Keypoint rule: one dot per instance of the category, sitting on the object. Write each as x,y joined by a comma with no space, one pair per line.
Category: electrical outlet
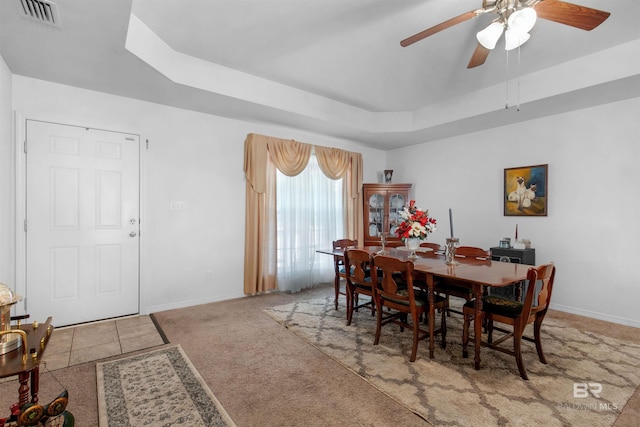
209,274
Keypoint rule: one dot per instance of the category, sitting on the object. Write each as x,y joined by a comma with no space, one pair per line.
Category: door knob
133,234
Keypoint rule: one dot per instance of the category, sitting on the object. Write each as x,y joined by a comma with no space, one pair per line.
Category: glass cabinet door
380,211
376,214
396,204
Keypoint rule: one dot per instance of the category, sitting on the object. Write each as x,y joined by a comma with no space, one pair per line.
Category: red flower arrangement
415,223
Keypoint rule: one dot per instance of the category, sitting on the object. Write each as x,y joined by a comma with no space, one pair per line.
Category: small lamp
519,24
490,35
523,19
514,39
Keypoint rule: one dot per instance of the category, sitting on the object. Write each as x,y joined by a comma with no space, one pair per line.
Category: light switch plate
176,206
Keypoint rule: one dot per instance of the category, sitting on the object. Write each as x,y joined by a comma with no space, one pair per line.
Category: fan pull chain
506,95
506,101
518,88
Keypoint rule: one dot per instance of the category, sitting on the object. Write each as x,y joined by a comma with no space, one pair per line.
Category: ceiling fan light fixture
522,20
514,38
490,35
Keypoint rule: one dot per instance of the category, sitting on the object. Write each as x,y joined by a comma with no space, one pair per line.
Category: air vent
42,11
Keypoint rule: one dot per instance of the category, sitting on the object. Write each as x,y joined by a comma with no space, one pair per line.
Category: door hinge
25,146
25,225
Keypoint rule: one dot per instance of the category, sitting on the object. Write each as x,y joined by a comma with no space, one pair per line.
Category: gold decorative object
20,340
7,299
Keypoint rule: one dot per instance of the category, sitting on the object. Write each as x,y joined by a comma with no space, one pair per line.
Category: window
310,216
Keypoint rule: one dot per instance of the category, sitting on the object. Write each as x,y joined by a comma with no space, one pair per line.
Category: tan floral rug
159,388
587,381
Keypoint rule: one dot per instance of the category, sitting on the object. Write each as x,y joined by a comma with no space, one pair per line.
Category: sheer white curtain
310,216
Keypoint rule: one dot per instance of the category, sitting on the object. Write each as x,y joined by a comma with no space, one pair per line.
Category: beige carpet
158,388
494,395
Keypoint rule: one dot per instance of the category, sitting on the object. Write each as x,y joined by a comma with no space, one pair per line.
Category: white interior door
82,240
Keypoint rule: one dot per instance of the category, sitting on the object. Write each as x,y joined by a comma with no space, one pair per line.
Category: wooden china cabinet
382,202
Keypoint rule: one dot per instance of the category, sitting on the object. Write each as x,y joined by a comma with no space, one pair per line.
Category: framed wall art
525,191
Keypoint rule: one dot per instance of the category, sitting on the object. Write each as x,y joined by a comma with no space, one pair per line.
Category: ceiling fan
516,18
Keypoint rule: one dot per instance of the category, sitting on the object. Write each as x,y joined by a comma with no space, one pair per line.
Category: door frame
20,162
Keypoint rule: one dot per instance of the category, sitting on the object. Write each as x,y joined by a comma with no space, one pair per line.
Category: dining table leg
336,280
477,323
432,314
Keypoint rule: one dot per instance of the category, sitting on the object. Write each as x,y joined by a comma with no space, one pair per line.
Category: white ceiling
329,66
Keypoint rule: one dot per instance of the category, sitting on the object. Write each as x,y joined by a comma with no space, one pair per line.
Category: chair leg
336,285
378,323
517,341
349,295
536,334
489,330
443,327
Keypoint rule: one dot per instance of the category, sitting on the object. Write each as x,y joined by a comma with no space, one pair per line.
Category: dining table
475,273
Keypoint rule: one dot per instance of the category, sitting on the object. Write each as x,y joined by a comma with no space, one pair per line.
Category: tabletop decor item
450,254
414,226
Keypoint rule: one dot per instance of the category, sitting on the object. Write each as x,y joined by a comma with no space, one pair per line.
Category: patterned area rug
587,381
158,388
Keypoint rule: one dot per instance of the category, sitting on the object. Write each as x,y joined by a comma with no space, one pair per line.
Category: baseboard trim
596,315
190,303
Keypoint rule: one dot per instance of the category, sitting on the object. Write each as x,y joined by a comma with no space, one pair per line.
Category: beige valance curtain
262,155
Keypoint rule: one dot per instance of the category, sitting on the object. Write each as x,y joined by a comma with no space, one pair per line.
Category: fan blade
479,56
442,26
571,14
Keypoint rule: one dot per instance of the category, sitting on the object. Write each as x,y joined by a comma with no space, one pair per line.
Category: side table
517,256
25,360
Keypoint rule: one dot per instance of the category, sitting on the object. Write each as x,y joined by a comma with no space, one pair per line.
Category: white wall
591,231
192,157
7,260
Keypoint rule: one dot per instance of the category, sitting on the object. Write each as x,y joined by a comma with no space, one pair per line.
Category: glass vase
412,244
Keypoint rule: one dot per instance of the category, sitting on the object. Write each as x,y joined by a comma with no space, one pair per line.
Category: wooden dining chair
516,314
356,265
451,287
338,261
435,246
395,244
401,300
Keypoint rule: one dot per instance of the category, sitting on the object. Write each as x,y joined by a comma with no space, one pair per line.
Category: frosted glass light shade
514,39
490,35
522,20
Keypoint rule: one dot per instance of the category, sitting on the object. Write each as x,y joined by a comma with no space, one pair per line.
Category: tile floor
73,345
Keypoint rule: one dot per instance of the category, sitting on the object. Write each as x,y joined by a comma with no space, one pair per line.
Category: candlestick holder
450,255
383,243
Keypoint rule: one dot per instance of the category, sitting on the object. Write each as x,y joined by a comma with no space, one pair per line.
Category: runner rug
157,388
587,381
